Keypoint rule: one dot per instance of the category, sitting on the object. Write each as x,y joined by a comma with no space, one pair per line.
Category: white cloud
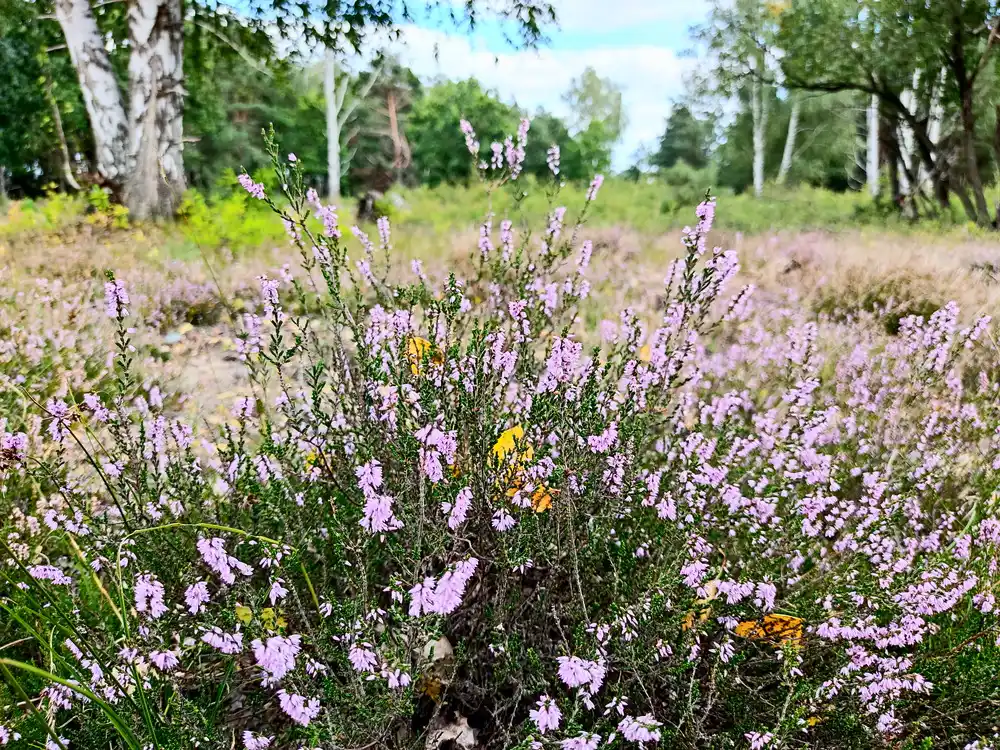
649,76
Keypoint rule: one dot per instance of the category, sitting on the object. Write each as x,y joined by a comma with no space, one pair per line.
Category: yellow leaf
541,499
688,622
508,441
780,629
416,349
244,614
431,687
814,720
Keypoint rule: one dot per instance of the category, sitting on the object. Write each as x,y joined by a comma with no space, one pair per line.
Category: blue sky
640,46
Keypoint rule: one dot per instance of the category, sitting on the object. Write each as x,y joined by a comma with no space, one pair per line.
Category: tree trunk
101,95
758,106
871,164
156,108
334,102
67,166
793,131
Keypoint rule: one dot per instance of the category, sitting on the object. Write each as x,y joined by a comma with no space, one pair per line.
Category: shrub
452,517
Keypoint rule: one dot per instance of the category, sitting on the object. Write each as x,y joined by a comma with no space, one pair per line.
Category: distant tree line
893,96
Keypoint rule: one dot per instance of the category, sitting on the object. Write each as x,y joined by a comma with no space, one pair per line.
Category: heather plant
453,515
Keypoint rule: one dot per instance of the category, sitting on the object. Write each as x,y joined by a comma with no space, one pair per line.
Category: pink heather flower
253,741
417,267
269,293
584,741
6,735
552,159
496,160
605,441
227,643
445,596
49,573
547,715
298,708
378,515
450,589
757,740
59,424
503,521
116,299
485,245
195,597
276,656
362,658
51,744
384,232
577,672
470,137
149,596
706,215
396,679
642,730
255,189
507,238
165,661
277,592
458,511
214,554
369,475
594,187
293,158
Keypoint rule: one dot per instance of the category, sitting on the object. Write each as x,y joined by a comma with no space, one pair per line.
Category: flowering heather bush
454,516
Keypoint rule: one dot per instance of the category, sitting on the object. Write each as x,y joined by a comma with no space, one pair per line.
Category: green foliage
546,131
225,221
433,127
686,139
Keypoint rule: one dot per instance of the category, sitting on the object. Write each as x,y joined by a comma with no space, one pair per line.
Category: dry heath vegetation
543,481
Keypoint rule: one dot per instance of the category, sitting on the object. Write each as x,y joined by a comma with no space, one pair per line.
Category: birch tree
896,50
340,109
138,130
872,161
793,131
740,37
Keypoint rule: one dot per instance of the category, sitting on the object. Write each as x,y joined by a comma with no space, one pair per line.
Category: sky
640,46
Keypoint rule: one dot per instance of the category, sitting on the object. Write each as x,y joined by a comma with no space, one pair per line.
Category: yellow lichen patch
780,629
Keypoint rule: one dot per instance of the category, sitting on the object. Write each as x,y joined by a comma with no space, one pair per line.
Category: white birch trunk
156,107
871,164
101,94
758,106
334,102
793,131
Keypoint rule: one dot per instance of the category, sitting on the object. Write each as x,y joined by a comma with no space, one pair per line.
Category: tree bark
872,161
793,131
966,89
156,108
101,95
758,108
334,103
67,166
